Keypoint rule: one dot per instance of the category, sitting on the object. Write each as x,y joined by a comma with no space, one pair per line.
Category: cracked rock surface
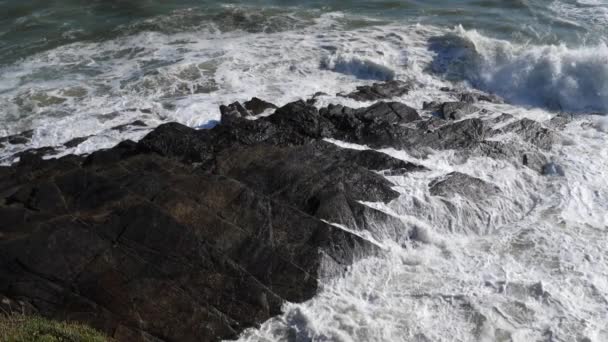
195,235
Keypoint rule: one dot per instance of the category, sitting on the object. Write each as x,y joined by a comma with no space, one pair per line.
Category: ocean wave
363,69
557,77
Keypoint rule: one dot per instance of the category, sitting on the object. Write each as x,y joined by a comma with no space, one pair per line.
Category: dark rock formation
379,125
469,187
195,235
380,91
532,132
559,122
457,110
75,142
250,108
191,235
145,245
17,139
504,117
128,126
473,97
233,111
257,106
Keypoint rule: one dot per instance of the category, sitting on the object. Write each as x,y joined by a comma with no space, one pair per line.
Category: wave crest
552,76
361,68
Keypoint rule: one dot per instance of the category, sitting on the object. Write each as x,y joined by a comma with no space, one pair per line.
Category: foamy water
85,89
535,271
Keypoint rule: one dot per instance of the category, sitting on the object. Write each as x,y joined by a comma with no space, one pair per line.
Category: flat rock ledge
196,235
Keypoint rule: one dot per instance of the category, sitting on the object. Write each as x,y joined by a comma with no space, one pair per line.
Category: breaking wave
557,77
363,69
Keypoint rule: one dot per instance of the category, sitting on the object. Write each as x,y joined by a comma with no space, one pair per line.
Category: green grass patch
19,328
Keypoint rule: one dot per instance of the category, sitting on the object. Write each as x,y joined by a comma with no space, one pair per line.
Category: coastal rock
18,139
35,153
258,106
326,183
380,91
75,142
504,117
431,124
233,111
559,122
379,125
192,235
518,153
532,132
128,126
460,135
474,97
154,241
315,96
464,185
432,106
196,235
388,112
457,110
534,160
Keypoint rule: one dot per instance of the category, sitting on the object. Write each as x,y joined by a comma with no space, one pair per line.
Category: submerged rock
380,91
559,122
504,117
552,169
75,142
473,97
18,139
457,110
128,126
533,132
469,187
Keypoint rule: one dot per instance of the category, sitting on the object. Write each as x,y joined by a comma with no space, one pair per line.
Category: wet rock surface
17,139
128,126
464,185
532,132
195,235
380,91
473,97
258,106
189,235
457,110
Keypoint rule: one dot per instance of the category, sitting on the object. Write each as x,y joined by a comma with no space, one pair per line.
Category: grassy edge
21,328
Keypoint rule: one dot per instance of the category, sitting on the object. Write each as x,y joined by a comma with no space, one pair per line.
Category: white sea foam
556,77
538,275
592,13
84,89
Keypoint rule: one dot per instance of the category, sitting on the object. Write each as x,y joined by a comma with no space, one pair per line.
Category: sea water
528,265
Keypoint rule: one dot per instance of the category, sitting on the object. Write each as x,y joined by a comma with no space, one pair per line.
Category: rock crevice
195,235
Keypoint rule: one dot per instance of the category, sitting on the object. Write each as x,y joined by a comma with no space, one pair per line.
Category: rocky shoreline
196,235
